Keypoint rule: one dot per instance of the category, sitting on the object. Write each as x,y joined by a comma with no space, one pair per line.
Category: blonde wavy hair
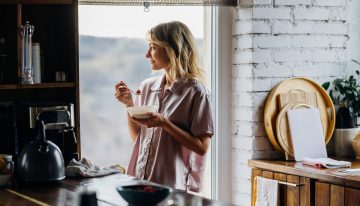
181,49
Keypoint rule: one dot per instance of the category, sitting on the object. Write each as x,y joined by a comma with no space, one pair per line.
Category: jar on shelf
36,62
356,145
27,71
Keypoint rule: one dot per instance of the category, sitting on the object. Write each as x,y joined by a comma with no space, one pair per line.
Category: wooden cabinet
56,30
294,194
304,185
327,194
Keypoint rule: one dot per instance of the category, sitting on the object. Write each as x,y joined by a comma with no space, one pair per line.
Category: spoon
138,92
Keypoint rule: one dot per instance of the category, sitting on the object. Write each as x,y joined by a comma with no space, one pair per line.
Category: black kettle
41,161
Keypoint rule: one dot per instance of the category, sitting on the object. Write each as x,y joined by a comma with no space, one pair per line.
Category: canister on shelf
60,76
27,72
36,62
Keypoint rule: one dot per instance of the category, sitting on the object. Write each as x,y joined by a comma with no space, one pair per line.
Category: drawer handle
290,184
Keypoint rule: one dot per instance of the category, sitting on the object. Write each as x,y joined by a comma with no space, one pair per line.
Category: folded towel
266,192
85,168
325,163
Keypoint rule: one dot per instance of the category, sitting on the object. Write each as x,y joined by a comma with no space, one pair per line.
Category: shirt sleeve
201,116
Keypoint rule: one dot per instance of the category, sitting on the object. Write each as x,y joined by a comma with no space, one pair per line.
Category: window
112,48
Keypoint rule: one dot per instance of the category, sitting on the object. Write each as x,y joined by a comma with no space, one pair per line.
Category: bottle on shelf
26,70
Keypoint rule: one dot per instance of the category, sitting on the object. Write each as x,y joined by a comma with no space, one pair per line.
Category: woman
171,144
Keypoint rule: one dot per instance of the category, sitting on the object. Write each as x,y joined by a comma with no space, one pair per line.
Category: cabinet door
296,193
352,197
329,195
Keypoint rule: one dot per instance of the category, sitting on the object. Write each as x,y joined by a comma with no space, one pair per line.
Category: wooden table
68,192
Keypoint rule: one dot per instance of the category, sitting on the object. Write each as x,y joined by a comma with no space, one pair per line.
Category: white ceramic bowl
4,179
6,168
140,111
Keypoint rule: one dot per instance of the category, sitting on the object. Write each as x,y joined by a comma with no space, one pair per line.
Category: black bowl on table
143,194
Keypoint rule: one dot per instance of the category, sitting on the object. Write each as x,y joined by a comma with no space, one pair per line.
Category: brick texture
274,40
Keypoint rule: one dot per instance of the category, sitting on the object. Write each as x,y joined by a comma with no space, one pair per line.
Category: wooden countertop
67,193
297,168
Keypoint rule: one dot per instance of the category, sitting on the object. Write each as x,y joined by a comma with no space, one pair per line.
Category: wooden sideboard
309,185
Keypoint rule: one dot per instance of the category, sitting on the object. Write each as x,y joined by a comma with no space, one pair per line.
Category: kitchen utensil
6,168
41,160
297,96
36,61
283,130
306,133
59,122
27,70
143,194
294,98
88,198
140,111
325,106
138,91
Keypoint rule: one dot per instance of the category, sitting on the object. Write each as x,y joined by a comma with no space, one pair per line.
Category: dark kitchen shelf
37,86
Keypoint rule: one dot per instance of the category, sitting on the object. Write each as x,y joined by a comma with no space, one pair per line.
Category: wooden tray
323,101
293,99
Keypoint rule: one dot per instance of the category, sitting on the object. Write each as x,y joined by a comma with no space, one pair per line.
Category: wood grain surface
67,193
319,187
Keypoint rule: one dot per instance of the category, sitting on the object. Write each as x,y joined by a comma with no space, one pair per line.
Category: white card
306,133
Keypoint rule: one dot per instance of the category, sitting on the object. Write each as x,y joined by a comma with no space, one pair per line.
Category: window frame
220,28
221,50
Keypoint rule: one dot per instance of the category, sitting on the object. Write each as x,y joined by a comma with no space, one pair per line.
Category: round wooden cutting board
308,87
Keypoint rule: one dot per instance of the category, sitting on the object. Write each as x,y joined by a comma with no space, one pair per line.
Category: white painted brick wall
292,2
271,13
260,56
292,55
266,41
244,42
258,143
242,70
337,3
248,114
261,27
310,41
338,41
288,27
274,40
275,70
249,129
245,13
249,27
255,2
330,28
311,13
243,27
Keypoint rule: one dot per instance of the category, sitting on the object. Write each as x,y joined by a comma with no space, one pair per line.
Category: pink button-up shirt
159,158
